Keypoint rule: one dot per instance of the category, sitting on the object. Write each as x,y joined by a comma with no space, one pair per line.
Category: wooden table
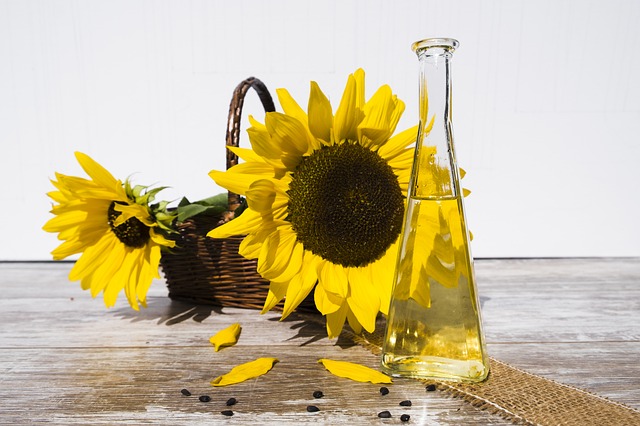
65,359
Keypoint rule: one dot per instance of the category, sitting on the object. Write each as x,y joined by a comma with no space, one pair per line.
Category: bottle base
434,368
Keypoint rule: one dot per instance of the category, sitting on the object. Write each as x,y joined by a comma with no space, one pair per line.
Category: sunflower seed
318,394
185,392
312,408
431,388
384,390
405,418
227,413
384,415
406,403
204,398
231,401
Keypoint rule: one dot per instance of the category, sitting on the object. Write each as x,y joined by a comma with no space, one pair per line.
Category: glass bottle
434,328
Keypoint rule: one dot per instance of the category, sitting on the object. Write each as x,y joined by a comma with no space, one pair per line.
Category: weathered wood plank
65,359
86,385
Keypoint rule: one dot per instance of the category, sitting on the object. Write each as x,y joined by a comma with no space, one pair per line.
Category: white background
546,102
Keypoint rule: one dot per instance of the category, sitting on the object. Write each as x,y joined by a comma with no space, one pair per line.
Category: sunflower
326,201
115,228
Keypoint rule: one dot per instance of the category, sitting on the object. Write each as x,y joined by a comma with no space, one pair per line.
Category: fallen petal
226,337
245,371
356,372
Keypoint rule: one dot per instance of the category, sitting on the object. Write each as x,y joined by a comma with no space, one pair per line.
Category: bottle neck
435,91
435,157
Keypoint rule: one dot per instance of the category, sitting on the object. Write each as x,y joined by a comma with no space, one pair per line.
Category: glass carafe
434,328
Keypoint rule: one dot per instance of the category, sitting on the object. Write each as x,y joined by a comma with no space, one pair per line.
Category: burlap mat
525,398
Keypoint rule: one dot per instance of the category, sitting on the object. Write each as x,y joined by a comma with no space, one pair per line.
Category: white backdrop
546,102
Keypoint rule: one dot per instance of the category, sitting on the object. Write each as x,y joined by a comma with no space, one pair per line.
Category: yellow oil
434,328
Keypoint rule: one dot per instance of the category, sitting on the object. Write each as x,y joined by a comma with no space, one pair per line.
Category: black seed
384,415
227,413
431,388
204,398
312,408
231,401
384,390
185,392
318,394
405,417
406,403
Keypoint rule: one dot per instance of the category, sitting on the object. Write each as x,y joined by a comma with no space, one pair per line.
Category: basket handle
233,122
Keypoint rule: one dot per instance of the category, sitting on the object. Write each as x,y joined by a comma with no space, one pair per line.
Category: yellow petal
133,210
226,337
398,143
98,173
263,145
376,127
348,115
239,178
320,114
356,372
333,278
150,270
248,221
276,252
354,323
246,154
92,258
287,133
396,114
302,283
277,291
383,276
327,303
120,279
363,300
335,321
261,195
252,243
294,267
102,276
290,106
245,371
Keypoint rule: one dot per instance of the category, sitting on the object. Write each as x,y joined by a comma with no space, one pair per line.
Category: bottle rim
445,43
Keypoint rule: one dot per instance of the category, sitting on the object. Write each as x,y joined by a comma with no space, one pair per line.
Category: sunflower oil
434,328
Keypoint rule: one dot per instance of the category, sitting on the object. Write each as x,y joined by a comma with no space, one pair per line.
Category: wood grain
65,359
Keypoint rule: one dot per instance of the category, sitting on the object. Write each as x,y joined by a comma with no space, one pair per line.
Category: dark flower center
132,232
345,204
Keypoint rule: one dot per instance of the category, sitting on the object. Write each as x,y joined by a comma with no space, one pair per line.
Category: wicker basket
210,271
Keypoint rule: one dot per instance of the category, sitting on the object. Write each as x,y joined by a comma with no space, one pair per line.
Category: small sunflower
114,227
326,201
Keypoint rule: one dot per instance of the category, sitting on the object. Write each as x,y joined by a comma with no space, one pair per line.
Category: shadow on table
167,311
163,310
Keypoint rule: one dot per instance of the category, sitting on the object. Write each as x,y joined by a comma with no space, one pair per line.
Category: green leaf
192,210
213,205
220,200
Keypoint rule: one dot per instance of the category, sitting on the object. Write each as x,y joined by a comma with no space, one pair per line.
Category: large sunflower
326,201
114,227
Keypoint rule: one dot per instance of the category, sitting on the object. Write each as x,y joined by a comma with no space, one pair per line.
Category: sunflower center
345,204
132,232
